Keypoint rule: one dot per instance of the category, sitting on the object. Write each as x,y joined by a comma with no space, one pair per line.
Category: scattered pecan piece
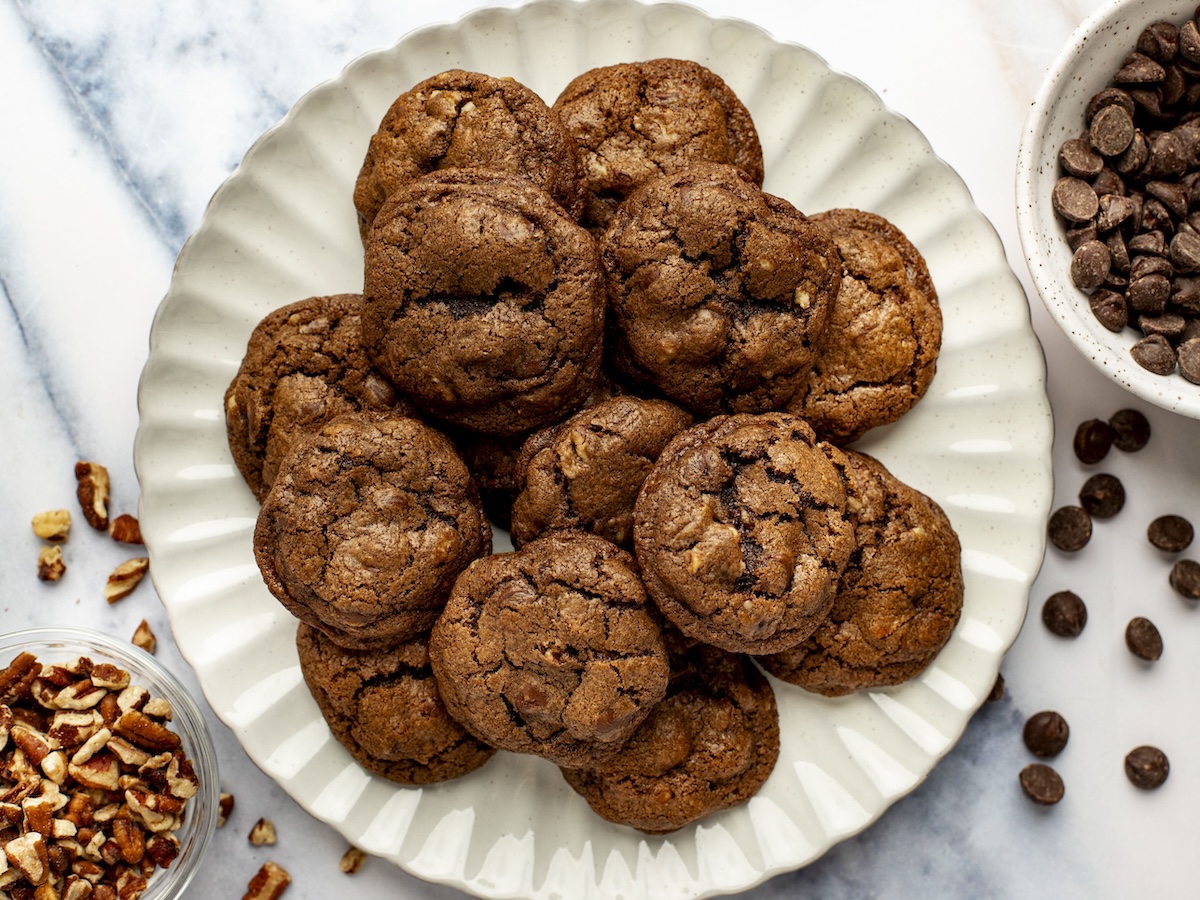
53,525
125,577
92,490
268,883
145,638
224,808
125,529
51,566
263,832
351,860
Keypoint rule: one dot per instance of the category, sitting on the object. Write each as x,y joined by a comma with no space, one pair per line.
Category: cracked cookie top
304,364
483,301
635,121
742,531
880,351
897,601
719,293
550,650
710,744
364,531
586,472
383,706
460,119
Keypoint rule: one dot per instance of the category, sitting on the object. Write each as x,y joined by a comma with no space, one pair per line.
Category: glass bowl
53,645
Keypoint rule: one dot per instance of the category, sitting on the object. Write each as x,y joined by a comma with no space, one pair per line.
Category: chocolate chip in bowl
109,746
1106,174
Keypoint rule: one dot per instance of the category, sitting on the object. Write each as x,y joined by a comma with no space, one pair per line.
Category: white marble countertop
118,120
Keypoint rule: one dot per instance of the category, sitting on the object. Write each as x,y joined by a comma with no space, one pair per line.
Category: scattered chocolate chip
1042,784
1185,578
1092,441
1131,430
1146,767
1154,354
1170,533
1046,734
1159,41
1102,496
1189,359
1189,41
1065,614
1142,639
1070,528
1109,96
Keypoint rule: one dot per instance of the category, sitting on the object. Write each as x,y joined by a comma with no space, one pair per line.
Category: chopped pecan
110,677
53,525
27,854
130,839
162,848
92,488
125,577
125,529
76,888
262,832
17,678
351,860
35,744
143,637
268,883
50,564
224,808
100,771
136,726
93,745
80,695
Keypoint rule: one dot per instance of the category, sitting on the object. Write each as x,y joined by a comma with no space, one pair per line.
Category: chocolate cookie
898,600
483,301
634,121
719,293
383,707
305,363
880,350
742,531
550,650
365,529
461,119
709,745
586,472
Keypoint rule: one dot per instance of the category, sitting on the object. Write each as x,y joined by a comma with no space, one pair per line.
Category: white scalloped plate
283,227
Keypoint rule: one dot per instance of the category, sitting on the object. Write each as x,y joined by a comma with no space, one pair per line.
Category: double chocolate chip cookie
719,293
898,600
364,531
880,351
634,121
586,472
383,707
708,745
550,650
304,364
742,531
459,119
483,301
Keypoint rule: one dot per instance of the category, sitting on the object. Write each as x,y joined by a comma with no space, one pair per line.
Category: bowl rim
43,640
1066,304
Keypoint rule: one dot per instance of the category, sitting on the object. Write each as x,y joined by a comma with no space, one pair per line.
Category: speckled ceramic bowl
1085,65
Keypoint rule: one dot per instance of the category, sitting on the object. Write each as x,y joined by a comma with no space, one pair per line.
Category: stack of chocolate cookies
587,323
